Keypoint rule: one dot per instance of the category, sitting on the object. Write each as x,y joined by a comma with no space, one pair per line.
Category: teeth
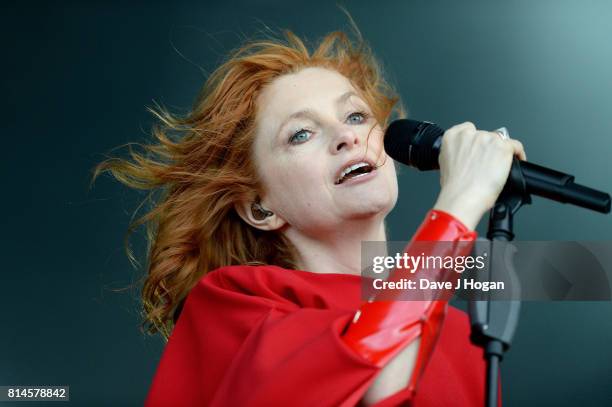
351,168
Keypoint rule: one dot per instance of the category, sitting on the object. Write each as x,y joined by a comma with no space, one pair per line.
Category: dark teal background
76,77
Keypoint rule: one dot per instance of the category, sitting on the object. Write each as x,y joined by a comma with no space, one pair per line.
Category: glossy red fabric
386,325
268,336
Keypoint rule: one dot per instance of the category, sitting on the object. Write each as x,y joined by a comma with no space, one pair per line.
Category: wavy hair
199,165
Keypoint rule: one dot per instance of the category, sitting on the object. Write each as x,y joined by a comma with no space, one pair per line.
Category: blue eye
360,116
300,137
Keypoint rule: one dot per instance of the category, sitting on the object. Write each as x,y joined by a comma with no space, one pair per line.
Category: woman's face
312,127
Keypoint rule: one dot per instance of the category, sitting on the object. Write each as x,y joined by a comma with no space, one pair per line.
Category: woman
269,186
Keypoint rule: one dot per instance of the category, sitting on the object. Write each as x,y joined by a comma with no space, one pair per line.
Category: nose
345,138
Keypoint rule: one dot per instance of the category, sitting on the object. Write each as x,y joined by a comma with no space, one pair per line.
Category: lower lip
359,179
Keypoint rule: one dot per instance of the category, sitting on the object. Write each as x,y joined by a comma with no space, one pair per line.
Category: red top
269,336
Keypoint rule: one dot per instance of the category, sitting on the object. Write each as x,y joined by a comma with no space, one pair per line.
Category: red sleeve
239,344
296,359
244,340
387,324
455,375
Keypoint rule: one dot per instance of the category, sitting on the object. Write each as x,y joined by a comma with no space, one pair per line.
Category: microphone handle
560,187
424,149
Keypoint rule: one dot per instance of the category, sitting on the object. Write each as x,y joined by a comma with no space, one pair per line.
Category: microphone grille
414,143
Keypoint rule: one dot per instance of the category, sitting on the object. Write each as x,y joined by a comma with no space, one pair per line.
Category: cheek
394,182
391,174
303,182
392,171
296,180
298,195
375,138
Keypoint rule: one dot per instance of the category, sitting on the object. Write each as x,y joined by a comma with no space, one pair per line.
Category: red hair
200,164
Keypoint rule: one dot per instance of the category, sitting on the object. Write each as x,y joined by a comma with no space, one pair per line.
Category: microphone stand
494,322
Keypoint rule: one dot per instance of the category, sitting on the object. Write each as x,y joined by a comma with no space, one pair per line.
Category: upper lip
351,162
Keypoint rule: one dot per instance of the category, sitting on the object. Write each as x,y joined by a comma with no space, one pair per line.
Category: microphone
417,144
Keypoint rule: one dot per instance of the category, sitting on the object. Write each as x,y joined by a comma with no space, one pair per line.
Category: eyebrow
308,113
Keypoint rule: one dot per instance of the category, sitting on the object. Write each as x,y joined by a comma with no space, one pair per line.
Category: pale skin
299,159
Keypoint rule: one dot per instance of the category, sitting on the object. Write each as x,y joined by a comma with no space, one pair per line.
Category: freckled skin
299,179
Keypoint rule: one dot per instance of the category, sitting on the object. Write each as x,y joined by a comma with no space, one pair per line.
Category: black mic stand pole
494,322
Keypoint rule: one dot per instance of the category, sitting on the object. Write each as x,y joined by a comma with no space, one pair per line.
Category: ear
248,214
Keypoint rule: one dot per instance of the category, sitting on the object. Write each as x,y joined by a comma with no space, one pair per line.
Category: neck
337,250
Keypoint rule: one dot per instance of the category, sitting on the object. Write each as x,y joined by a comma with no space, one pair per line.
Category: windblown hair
199,165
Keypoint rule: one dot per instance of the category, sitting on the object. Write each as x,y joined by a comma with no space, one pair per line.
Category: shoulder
283,287
237,286
228,297
239,296
249,279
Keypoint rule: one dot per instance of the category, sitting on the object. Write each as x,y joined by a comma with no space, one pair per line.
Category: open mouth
354,171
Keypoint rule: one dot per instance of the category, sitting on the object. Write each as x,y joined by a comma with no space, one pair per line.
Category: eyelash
364,115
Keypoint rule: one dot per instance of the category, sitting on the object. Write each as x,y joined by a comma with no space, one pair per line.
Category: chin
372,207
